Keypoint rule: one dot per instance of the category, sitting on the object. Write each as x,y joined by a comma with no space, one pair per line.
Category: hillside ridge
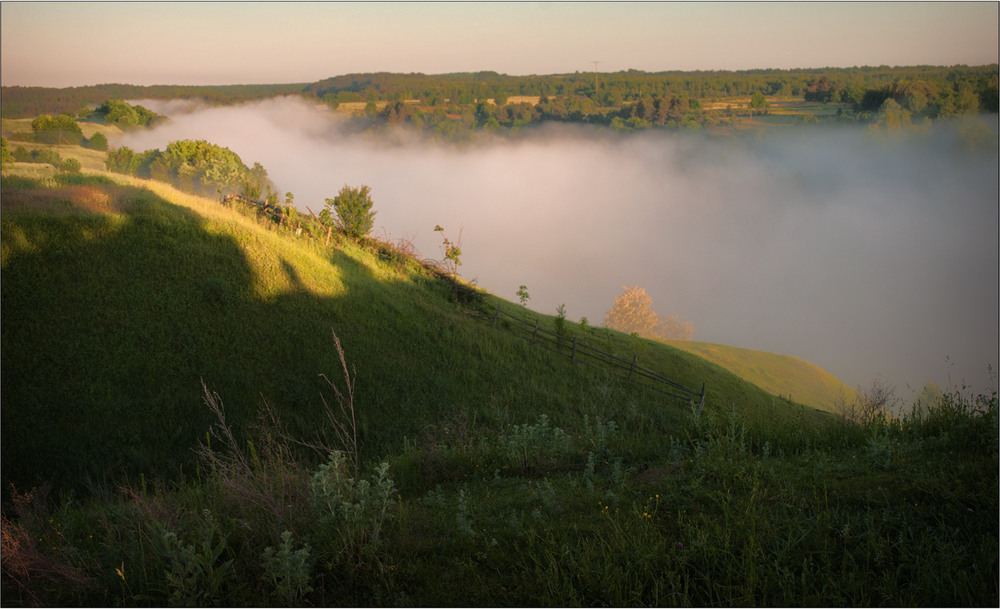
117,346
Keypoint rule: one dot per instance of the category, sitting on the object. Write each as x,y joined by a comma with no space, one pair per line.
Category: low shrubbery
879,512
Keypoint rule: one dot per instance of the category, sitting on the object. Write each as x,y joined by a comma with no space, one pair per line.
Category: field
203,407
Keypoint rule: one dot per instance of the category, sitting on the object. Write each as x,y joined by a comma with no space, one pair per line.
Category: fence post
496,315
535,333
572,356
632,367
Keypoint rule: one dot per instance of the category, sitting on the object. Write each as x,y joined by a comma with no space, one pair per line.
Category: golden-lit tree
632,312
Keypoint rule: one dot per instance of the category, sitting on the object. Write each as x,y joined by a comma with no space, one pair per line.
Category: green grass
113,320
489,472
783,375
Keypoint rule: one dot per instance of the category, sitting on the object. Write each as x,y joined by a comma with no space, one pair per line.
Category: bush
98,142
70,166
6,156
62,129
353,207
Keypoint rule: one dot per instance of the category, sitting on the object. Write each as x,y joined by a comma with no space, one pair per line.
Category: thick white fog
866,256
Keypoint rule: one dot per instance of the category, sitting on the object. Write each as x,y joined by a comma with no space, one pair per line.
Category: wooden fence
579,351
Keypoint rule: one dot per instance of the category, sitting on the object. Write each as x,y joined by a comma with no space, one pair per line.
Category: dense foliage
352,208
452,106
124,115
194,166
6,156
61,129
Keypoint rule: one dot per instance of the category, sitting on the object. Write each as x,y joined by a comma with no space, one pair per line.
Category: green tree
6,156
119,160
198,166
758,101
353,207
126,116
255,182
98,142
891,117
61,129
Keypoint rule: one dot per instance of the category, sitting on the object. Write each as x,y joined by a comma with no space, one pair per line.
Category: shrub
352,510
6,156
70,166
98,142
353,207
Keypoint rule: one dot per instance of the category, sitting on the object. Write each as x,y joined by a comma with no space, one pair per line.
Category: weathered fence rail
579,351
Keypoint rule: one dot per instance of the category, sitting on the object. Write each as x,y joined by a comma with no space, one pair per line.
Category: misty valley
323,344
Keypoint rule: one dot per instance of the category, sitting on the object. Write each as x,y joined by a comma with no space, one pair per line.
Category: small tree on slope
353,207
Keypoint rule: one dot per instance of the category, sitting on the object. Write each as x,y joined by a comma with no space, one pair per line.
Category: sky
62,44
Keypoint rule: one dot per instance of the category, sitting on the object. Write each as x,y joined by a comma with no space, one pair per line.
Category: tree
891,117
353,207
6,156
758,101
98,142
632,313
126,116
255,182
61,129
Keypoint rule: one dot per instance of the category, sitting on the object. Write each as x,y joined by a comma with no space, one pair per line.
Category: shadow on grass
111,320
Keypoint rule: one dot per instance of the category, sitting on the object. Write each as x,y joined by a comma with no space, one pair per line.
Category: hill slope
783,375
121,297
492,472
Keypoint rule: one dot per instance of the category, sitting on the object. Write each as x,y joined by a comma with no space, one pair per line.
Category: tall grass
544,515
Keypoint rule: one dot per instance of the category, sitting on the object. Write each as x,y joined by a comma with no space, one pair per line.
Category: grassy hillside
487,471
120,298
782,375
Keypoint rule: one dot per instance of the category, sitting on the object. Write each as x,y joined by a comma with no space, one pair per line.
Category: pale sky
61,44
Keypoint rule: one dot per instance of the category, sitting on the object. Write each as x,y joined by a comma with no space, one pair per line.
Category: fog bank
867,256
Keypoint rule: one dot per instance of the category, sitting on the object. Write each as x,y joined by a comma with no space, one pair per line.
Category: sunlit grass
779,374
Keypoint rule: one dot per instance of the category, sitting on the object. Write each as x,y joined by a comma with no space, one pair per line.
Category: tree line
584,92
25,102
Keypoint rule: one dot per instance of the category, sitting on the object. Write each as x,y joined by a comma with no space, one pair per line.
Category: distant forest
454,107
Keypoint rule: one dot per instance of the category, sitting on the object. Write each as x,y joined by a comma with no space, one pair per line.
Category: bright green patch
782,375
